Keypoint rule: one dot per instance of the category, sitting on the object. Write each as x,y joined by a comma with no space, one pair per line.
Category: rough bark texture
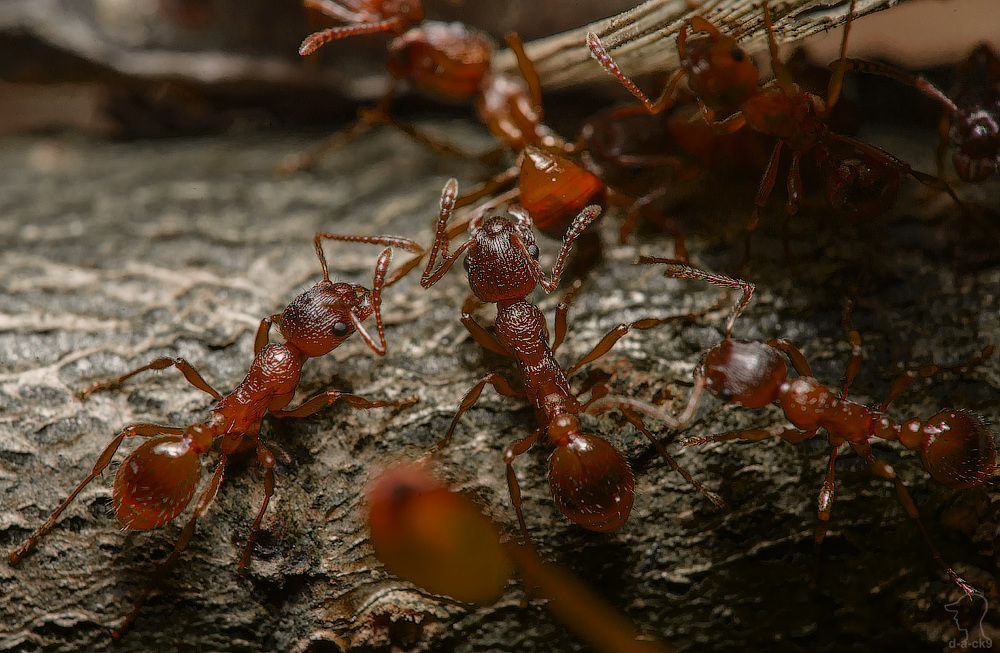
113,254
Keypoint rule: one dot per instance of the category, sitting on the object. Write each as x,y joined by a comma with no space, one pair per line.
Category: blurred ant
158,479
444,60
461,556
955,446
591,482
862,179
970,122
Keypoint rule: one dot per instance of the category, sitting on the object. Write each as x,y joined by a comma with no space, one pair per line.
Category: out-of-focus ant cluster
725,116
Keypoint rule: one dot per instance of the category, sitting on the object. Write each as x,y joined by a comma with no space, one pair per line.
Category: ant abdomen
155,482
591,483
447,59
958,450
319,319
743,372
554,190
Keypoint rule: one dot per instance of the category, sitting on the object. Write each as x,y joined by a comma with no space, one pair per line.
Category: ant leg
904,380
499,384
315,404
527,69
266,460
825,504
781,74
561,311
665,99
379,116
854,338
482,336
637,422
755,435
903,167
190,374
488,187
683,270
763,192
794,185
799,361
515,449
944,140
636,208
432,275
204,501
886,471
264,332
134,430
620,331
836,83
602,400
310,158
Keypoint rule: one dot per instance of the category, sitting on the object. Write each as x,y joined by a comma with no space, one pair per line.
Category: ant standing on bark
862,180
955,446
590,480
159,478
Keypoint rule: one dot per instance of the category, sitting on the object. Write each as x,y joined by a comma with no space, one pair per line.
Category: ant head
591,483
502,260
958,450
978,153
743,372
719,71
442,59
156,482
554,190
321,318
859,186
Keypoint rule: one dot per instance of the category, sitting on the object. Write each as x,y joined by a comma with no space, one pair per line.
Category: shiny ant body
444,60
955,446
591,482
862,180
158,479
970,123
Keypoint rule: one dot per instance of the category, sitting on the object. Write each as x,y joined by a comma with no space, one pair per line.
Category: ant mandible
862,179
590,480
970,121
443,60
159,478
955,446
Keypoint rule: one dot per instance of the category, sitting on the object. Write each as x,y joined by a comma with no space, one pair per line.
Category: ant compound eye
466,263
737,55
533,251
340,329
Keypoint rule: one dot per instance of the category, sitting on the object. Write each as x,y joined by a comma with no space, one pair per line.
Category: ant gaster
590,480
955,446
158,479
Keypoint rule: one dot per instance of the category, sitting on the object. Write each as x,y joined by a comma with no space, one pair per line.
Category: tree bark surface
112,254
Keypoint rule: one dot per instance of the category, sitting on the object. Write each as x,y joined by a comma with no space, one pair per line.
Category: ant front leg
763,192
499,384
134,430
637,422
825,506
204,501
190,374
264,332
794,436
482,336
267,461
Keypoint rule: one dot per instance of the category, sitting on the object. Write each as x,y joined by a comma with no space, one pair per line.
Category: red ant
447,60
955,446
158,479
970,122
591,483
440,540
862,180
